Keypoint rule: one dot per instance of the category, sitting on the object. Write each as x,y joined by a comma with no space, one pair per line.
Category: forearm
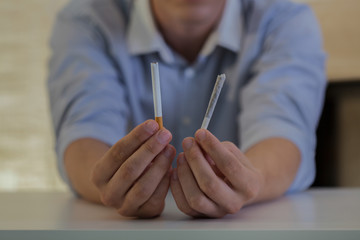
278,160
80,158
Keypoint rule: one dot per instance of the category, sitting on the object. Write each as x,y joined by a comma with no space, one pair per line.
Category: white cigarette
156,93
213,100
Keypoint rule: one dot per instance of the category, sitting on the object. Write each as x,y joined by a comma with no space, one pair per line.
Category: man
261,139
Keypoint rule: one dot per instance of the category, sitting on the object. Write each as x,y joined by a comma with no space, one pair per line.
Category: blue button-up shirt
271,52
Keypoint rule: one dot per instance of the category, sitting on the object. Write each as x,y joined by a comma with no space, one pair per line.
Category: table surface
327,212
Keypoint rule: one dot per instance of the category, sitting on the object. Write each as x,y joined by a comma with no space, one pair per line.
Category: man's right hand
134,174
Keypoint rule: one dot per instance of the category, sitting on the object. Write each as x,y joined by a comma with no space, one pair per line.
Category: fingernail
187,143
163,136
168,152
151,127
200,134
174,175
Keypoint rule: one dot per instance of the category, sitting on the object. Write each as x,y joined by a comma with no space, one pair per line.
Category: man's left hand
213,178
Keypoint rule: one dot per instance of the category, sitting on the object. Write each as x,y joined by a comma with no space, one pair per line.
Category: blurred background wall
27,160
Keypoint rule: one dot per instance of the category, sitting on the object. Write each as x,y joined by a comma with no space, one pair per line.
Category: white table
314,214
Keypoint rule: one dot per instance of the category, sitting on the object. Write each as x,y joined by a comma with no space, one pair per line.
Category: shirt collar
143,36
228,32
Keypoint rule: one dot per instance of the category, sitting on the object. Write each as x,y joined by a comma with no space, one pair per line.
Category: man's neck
185,37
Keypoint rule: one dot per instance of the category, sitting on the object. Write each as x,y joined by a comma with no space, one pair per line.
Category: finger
226,161
155,205
147,184
179,196
213,186
213,165
121,150
135,165
231,147
195,197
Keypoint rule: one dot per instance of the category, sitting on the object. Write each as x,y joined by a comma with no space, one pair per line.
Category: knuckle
128,172
232,208
152,209
125,212
209,187
251,191
211,143
197,202
157,206
231,167
229,145
150,148
139,136
117,154
142,192
108,199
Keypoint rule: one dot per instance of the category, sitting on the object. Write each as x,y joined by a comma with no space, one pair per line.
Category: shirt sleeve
284,96
87,95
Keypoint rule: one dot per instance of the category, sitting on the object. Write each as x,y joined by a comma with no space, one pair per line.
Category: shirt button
186,121
189,73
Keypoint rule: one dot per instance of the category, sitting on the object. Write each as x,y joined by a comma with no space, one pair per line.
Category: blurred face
189,11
